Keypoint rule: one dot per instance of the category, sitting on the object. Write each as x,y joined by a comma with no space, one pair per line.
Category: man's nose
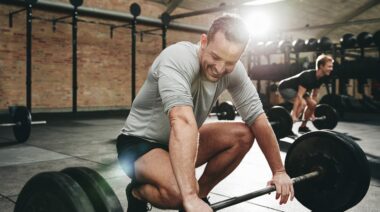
220,67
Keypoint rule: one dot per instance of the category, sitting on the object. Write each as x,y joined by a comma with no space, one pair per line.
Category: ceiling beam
346,18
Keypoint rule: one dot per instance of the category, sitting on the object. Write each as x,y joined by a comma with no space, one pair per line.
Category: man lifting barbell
281,121
324,180
302,90
164,138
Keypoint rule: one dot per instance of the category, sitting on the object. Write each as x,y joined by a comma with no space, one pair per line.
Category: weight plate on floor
23,120
97,189
345,179
52,191
226,111
331,117
283,122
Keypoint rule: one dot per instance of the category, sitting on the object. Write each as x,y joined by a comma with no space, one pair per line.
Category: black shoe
205,199
303,130
134,204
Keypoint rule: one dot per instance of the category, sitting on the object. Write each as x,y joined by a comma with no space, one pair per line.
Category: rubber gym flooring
89,140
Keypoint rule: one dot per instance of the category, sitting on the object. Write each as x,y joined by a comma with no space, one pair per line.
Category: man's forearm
182,150
267,142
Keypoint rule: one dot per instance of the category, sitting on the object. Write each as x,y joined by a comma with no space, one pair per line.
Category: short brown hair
322,60
233,28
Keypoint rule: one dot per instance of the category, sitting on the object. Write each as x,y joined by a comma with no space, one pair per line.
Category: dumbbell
21,122
225,111
325,118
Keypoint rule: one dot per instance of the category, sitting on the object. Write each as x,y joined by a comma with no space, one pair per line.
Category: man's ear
203,41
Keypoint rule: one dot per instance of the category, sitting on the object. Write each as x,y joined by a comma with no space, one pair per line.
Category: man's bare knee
243,137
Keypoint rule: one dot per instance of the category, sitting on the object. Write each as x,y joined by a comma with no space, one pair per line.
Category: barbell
330,172
21,122
225,111
325,118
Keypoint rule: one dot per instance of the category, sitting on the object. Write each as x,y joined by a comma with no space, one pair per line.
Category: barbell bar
267,190
20,123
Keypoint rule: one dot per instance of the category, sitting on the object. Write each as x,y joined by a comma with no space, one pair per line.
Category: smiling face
219,56
327,68
324,64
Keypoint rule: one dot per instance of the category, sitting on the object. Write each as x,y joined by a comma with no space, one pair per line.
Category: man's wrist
279,171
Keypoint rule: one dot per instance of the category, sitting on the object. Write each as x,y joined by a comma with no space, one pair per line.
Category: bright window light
259,24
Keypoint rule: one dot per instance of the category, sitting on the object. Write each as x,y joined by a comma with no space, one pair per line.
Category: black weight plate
52,191
226,111
336,102
331,117
23,120
97,189
346,179
362,162
281,116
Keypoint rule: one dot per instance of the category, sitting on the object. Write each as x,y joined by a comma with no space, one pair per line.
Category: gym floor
89,140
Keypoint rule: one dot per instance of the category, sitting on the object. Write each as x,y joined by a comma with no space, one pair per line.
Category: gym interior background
82,79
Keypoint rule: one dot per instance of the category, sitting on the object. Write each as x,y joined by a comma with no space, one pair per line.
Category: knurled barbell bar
330,172
325,118
21,122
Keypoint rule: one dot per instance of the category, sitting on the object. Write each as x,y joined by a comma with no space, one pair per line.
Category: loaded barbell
21,122
225,111
330,172
325,118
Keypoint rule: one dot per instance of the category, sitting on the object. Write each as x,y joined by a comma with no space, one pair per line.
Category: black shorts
130,148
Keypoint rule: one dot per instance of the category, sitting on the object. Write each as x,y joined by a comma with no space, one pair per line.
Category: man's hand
195,204
284,186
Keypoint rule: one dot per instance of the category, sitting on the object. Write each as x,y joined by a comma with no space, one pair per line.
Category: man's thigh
216,137
288,94
143,161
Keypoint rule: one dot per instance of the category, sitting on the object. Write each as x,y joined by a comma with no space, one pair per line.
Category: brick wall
104,64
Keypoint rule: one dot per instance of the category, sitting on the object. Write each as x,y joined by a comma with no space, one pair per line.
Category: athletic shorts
130,148
288,94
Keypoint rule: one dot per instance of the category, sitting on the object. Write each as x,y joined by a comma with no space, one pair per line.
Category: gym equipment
225,111
285,46
21,122
325,118
101,195
52,191
364,39
311,44
331,173
324,44
299,45
376,38
348,41
281,121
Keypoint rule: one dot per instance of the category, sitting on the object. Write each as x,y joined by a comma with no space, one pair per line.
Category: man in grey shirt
164,138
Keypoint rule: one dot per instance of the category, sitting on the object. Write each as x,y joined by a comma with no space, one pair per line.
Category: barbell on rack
325,118
21,122
324,180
